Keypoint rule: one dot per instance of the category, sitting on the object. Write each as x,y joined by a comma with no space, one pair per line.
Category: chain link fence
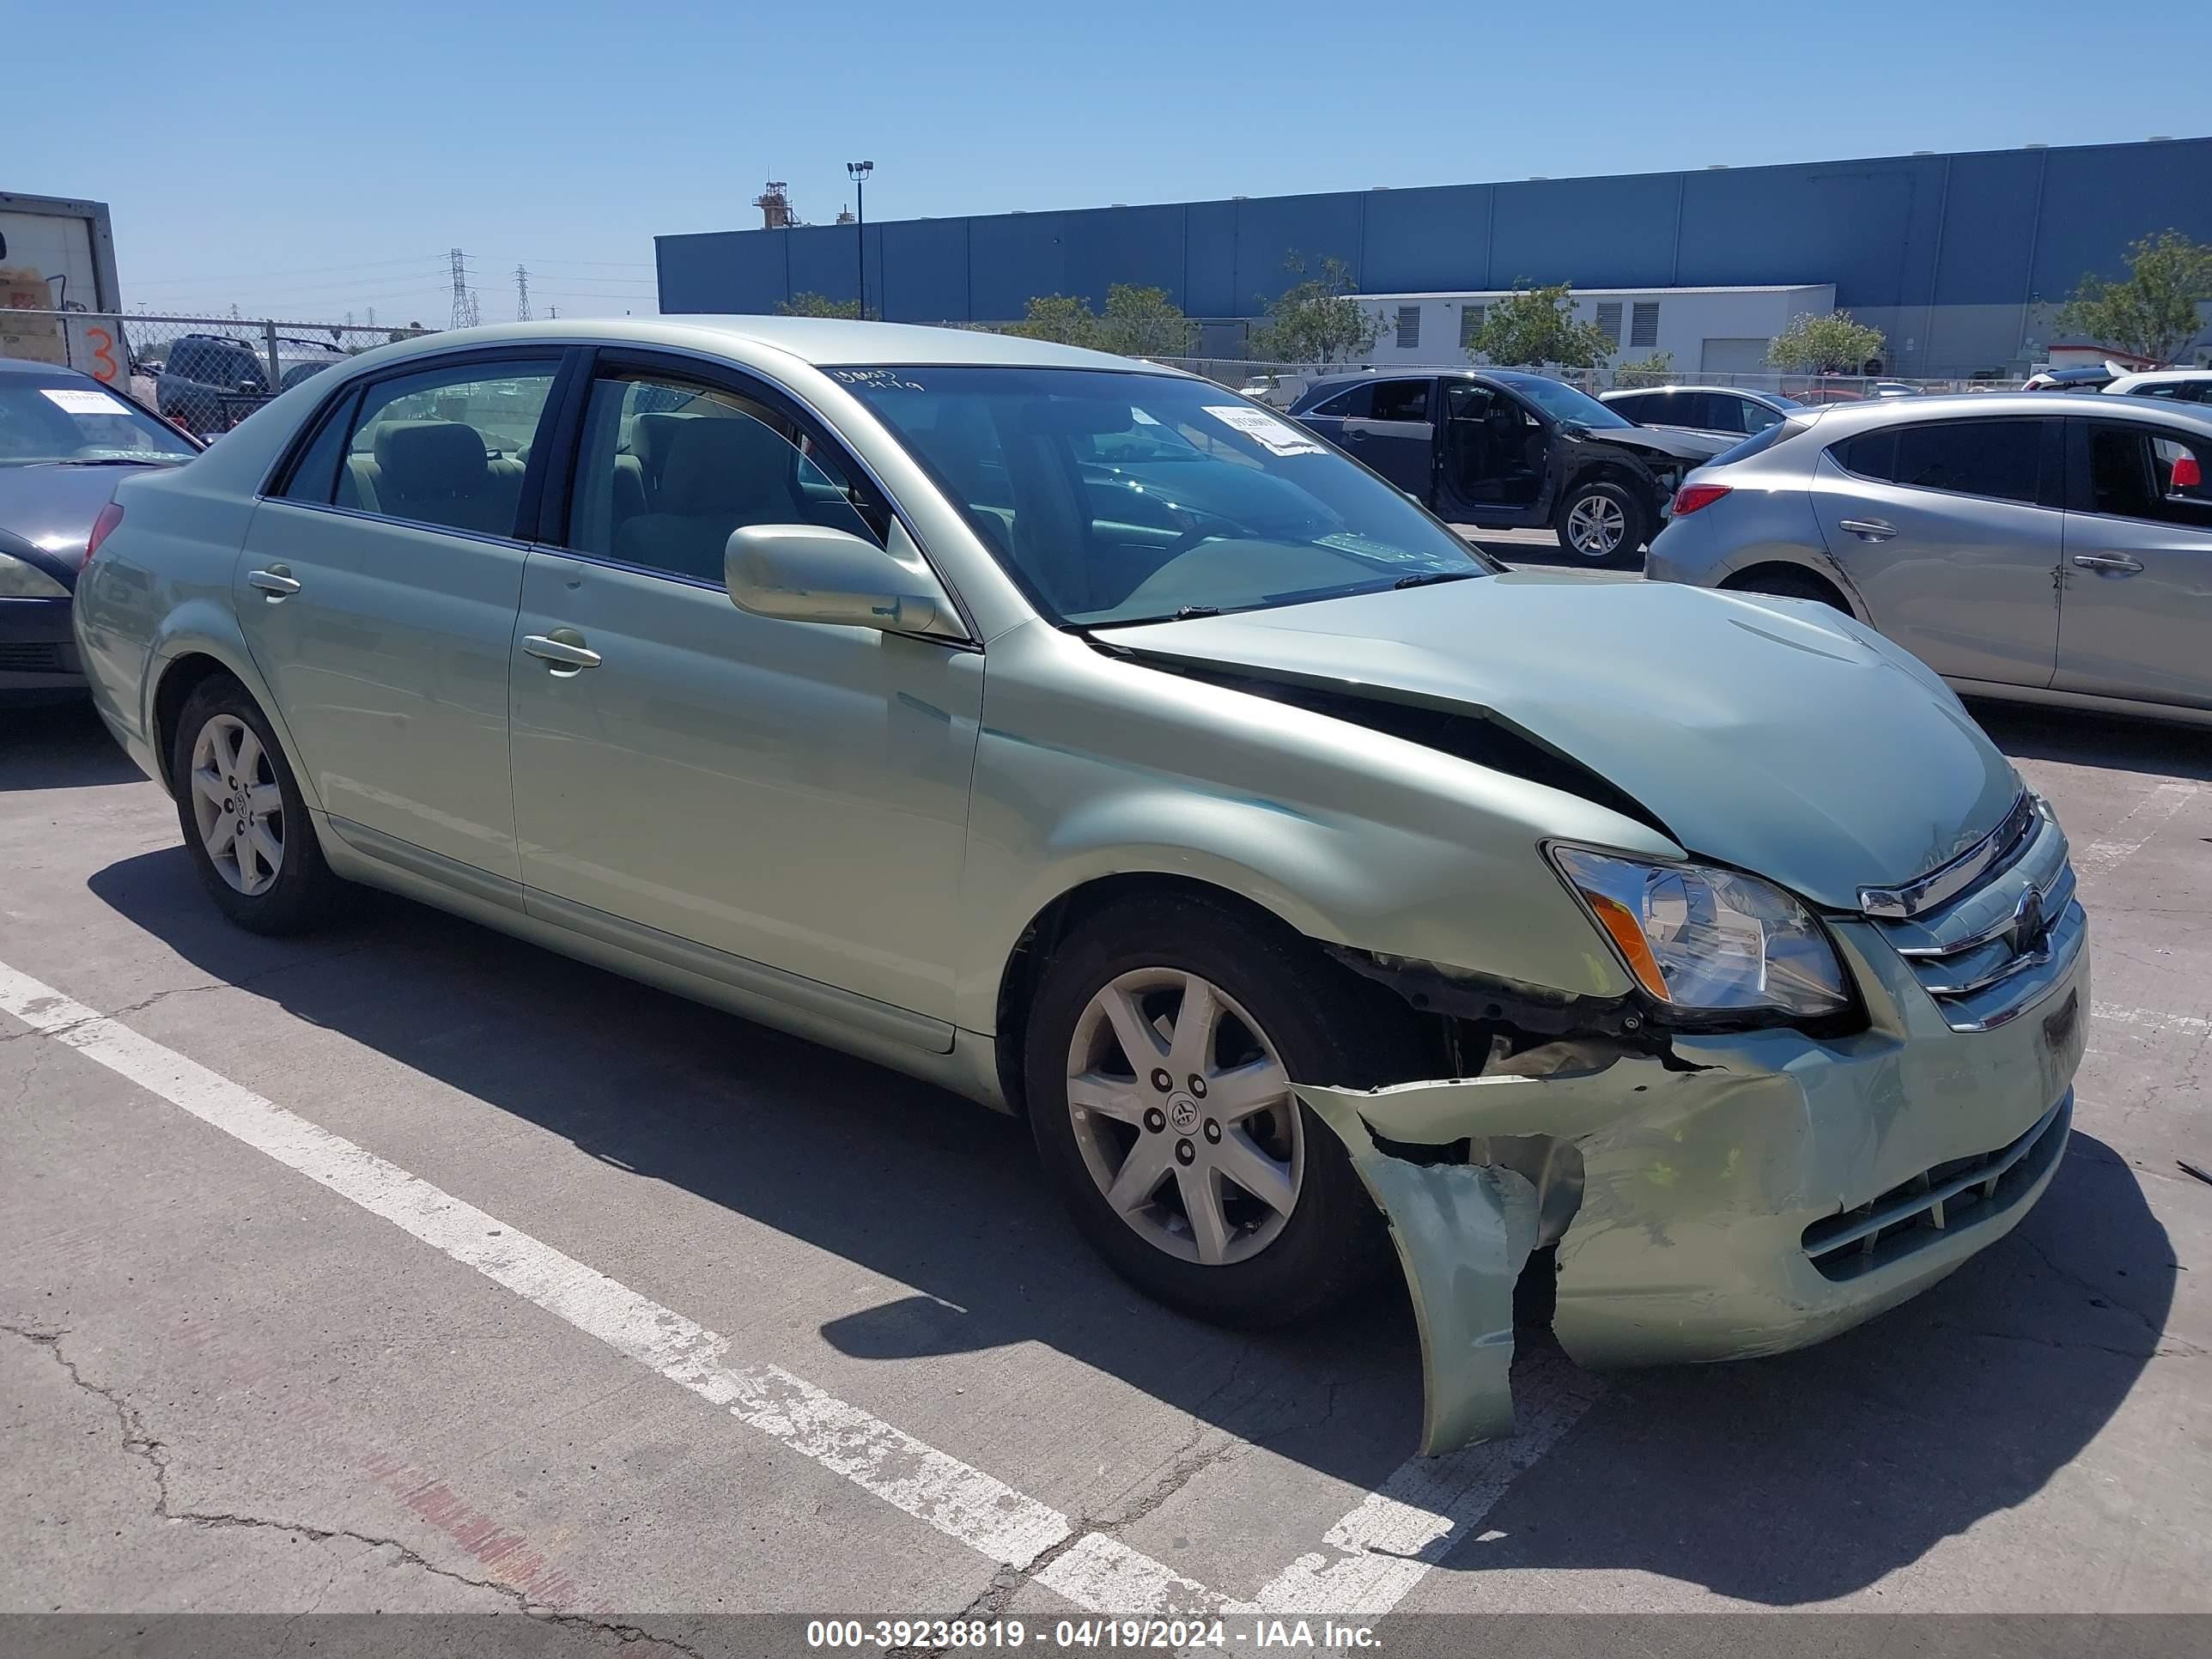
206,373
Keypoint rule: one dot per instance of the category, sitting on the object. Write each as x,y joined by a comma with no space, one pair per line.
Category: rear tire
244,820
1602,522
1785,582
1273,998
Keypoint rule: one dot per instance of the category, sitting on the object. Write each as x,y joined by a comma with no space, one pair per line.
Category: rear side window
315,475
445,446
2136,473
1998,459
1350,404
1402,400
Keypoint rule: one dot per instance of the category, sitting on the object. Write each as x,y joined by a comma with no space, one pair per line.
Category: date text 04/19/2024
1167,1635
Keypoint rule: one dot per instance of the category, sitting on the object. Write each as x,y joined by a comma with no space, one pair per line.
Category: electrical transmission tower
465,299
522,294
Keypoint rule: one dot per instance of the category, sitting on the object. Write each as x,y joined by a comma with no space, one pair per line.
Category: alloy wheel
237,804
1596,525
1185,1117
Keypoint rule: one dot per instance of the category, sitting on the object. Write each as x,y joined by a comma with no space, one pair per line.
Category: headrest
731,466
431,457
650,434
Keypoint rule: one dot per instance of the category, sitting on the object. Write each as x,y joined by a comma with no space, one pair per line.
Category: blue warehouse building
1957,257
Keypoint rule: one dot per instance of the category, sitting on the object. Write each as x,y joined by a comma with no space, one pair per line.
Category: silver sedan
2037,548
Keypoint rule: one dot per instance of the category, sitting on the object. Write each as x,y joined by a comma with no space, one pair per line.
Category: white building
1716,329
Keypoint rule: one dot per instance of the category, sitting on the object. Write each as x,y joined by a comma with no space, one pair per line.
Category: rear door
377,591
1951,531
1397,435
1327,417
2136,618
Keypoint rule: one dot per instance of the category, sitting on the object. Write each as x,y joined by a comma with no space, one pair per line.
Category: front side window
2136,472
1754,416
668,469
1998,459
1402,400
71,418
1117,497
445,446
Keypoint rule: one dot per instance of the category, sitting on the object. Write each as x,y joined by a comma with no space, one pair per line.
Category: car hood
1673,443
50,509
1777,736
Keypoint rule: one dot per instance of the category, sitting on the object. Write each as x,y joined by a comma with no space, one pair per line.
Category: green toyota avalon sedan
1685,967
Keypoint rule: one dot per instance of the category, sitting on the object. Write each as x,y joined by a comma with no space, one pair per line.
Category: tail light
110,516
1691,496
2187,474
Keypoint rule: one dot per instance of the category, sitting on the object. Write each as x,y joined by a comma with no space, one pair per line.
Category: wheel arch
197,641
1061,914
1747,579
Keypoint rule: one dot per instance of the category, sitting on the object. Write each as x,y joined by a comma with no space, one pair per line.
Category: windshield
1563,402
1118,497
67,417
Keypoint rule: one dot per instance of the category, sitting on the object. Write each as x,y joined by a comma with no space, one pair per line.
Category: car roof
28,366
1837,419
1733,391
822,342
2158,377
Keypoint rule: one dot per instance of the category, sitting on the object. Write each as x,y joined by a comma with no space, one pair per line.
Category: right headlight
1708,941
21,580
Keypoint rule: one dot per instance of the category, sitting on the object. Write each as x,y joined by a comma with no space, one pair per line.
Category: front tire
244,819
1602,522
1189,1163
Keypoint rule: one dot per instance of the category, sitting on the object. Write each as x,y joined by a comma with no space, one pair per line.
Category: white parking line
1098,1573
2150,1019
2153,810
1380,1549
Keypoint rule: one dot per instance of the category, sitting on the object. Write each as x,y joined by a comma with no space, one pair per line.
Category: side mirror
812,574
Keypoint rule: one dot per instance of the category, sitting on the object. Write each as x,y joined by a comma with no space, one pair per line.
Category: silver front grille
1989,950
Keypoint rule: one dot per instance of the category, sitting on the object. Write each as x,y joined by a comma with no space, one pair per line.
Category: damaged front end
1711,1194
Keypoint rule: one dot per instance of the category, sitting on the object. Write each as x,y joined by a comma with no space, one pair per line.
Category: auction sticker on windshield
1279,437
75,400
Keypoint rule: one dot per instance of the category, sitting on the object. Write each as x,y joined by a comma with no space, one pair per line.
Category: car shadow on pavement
2078,738
1777,1481
55,744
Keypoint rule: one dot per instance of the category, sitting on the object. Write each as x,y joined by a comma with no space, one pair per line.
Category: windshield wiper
1426,577
1188,613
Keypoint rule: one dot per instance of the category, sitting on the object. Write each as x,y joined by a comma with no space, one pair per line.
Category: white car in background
2185,386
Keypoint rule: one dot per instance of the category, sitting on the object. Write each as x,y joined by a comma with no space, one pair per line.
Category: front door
2136,618
1396,435
784,793
378,589
1950,531
1495,456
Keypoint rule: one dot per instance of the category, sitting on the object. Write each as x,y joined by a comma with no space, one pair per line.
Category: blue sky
316,159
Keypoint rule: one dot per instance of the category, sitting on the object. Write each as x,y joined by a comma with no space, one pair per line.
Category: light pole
860,172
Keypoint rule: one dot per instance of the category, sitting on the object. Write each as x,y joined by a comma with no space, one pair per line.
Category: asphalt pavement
407,1267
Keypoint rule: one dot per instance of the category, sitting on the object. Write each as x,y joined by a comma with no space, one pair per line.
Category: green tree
2153,313
1143,322
817,305
1061,317
1316,321
1536,324
1655,370
1832,344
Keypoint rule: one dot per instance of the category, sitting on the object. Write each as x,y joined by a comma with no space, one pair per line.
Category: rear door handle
2119,563
1869,530
277,581
562,656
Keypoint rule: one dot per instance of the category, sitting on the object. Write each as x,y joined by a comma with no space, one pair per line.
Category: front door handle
1869,530
277,581
562,650
2118,564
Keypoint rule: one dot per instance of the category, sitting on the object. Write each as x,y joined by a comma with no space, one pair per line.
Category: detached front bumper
1734,1196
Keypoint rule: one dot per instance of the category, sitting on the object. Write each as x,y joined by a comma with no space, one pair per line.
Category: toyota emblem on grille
2030,926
